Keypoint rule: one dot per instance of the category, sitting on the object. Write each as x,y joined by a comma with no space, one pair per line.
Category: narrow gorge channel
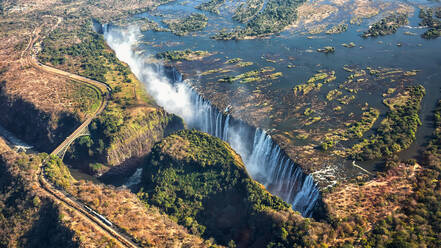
264,160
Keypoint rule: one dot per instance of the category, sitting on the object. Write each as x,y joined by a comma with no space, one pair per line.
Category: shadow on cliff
44,130
48,230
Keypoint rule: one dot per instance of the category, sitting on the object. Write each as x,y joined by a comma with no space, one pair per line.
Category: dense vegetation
104,130
93,148
396,132
57,172
247,10
387,25
211,6
340,28
428,19
202,183
419,225
191,23
115,128
276,16
26,218
90,54
186,54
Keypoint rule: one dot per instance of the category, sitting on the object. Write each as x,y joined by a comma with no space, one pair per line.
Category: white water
18,144
264,160
134,179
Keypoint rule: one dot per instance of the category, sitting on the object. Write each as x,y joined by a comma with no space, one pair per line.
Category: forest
431,18
420,223
276,16
191,23
396,132
201,182
386,26
91,54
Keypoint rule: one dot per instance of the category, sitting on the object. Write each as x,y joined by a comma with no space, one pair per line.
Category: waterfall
264,160
134,179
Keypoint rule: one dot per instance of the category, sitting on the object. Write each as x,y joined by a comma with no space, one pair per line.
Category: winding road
116,234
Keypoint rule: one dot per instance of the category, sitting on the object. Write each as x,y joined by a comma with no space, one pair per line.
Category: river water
264,159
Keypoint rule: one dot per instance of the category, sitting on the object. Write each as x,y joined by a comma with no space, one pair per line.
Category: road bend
112,231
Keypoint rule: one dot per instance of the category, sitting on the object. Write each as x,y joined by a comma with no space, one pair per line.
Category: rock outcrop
202,182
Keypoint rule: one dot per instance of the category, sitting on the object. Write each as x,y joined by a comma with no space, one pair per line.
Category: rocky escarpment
43,129
137,139
202,182
120,139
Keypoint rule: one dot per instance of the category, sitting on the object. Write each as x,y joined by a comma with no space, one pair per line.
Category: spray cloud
264,160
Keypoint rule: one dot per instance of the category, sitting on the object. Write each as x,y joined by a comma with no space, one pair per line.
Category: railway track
97,220
81,209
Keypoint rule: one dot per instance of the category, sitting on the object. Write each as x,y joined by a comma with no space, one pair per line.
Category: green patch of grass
346,99
313,83
253,76
354,130
332,94
220,70
239,62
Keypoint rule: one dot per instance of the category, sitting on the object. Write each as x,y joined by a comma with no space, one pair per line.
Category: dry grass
53,94
84,231
26,216
374,199
46,92
24,20
124,209
104,10
6,152
315,16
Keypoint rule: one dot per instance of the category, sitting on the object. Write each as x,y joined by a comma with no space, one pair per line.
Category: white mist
264,160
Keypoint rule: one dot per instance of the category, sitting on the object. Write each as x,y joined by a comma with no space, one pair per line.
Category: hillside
43,108
322,110
29,218
144,223
202,183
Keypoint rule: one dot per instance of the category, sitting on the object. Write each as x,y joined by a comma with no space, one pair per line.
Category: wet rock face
42,129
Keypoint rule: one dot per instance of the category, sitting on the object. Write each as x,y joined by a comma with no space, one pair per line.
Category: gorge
264,160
